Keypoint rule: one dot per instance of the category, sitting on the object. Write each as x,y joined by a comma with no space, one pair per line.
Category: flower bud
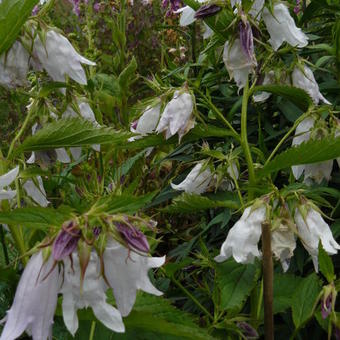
207,11
65,243
246,39
133,237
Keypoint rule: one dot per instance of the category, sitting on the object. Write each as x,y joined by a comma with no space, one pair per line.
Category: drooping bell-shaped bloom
5,181
35,301
311,229
91,294
243,238
314,171
283,245
281,27
177,115
133,237
59,58
14,66
304,79
127,272
37,193
85,112
188,17
196,182
148,121
237,63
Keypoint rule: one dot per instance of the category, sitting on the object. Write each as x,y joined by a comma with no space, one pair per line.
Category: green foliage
188,203
235,282
297,96
13,14
304,300
70,133
326,264
36,217
313,151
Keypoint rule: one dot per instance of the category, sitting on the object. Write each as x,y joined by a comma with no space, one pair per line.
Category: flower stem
268,274
290,131
244,140
21,131
93,328
186,292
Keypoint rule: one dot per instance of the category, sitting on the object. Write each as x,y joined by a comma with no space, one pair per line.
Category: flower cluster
81,270
302,220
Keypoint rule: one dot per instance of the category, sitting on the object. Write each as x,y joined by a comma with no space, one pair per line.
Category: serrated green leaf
284,289
36,217
70,133
313,151
127,74
235,282
304,300
126,166
189,203
326,264
13,14
297,96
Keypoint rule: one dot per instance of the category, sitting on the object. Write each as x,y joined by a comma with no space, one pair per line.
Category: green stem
244,140
21,131
186,292
290,131
219,114
93,328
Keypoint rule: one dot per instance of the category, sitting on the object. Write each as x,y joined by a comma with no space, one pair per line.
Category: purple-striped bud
134,237
207,11
246,39
248,331
326,306
66,241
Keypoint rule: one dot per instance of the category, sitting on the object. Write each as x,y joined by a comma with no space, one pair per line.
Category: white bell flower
304,79
91,294
281,27
148,121
243,238
196,182
283,245
37,193
238,65
35,301
86,113
14,66
311,229
127,272
5,181
315,171
59,58
177,115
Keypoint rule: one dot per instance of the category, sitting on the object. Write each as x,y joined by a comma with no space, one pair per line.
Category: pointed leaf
13,14
313,151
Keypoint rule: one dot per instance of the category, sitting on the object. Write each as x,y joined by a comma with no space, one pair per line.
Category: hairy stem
244,141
